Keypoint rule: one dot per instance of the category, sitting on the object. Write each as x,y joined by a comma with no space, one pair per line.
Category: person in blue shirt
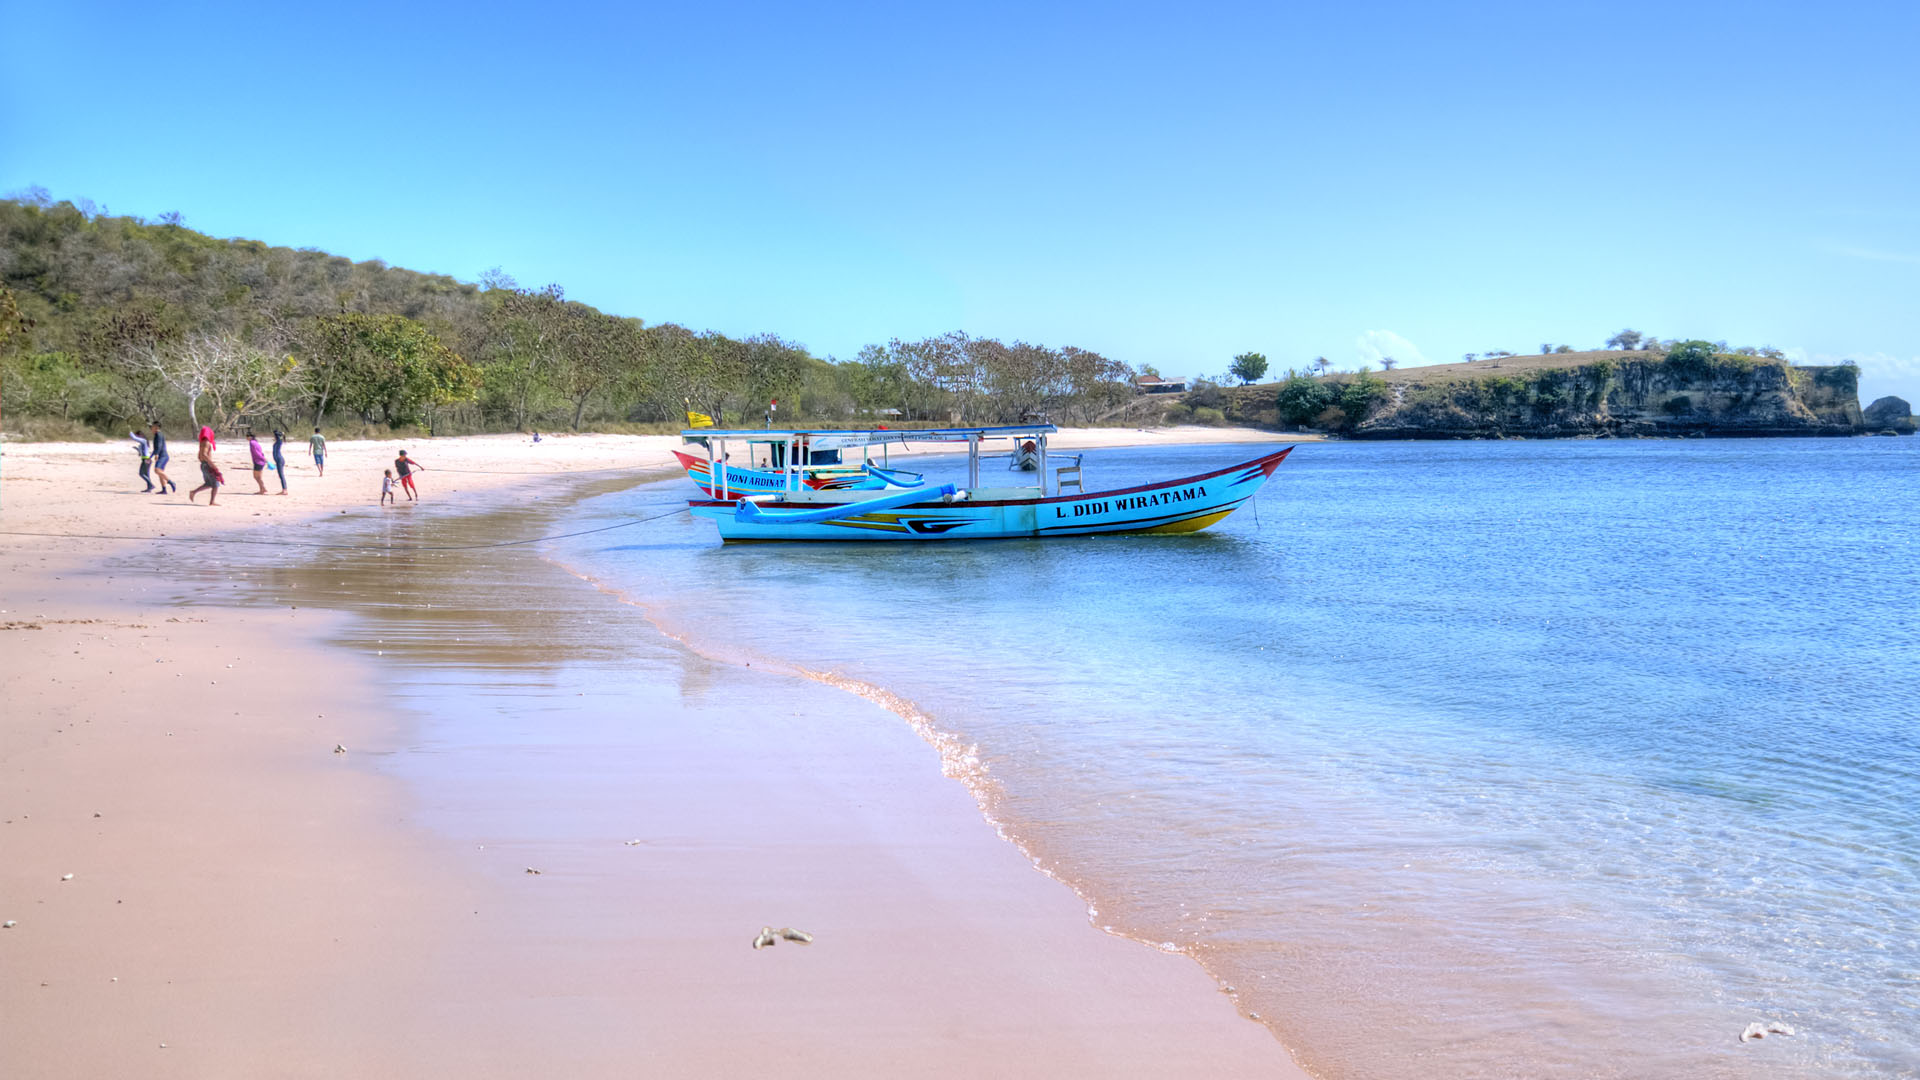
159,450
146,459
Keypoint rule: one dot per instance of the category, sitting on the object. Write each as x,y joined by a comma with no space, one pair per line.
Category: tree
1387,363
1628,340
695,370
1563,348
524,328
1094,383
1469,357
771,368
1321,364
1358,396
878,380
386,362
591,352
13,325
1248,367
235,377
117,345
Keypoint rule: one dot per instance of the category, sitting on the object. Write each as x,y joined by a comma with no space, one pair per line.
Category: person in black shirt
159,449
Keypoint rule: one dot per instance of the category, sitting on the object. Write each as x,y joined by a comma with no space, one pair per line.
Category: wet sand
265,907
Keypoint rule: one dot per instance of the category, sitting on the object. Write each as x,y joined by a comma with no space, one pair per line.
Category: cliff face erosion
1596,394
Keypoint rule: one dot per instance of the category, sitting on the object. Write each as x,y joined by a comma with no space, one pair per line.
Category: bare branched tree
235,379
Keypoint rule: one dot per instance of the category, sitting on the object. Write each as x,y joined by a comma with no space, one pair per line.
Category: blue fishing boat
798,511
864,476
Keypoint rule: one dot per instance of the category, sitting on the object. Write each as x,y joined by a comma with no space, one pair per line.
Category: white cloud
1376,345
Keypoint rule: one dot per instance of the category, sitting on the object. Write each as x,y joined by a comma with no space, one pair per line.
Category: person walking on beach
280,458
146,459
159,448
259,457
209,472
317,447
386,488
405,466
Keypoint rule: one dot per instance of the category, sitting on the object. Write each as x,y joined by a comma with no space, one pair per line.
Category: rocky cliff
1596,394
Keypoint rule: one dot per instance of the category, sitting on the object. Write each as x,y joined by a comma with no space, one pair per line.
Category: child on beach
386,488
146,459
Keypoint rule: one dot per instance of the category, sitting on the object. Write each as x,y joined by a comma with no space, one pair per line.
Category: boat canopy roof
829,439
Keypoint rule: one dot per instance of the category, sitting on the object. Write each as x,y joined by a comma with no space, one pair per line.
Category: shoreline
1028,987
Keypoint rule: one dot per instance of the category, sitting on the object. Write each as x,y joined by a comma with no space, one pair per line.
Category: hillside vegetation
107,320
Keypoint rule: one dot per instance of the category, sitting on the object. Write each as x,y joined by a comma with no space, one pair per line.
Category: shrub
1358,396
1549,389
1845,378
1690,361
1205,393
1679,406
1204,415
1497,391
1301,399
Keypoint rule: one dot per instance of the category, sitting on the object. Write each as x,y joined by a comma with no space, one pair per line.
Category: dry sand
246,903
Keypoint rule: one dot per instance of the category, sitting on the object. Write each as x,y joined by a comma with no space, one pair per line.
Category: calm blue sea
1452,759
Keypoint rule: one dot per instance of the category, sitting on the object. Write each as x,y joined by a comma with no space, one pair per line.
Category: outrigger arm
748,512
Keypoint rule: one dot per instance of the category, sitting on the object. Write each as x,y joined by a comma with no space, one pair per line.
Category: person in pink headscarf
209,473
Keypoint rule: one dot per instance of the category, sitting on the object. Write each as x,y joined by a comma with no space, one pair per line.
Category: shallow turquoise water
1460,759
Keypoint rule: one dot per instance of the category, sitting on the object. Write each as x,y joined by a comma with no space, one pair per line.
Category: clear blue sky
1167,184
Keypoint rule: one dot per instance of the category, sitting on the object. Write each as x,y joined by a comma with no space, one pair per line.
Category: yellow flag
698,419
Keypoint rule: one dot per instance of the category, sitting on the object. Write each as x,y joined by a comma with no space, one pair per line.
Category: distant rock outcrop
1579,395
1888,414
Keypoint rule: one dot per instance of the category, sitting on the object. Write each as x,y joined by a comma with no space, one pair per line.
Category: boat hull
1176,506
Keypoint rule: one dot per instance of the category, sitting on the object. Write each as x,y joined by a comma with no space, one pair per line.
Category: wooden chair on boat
1068,474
